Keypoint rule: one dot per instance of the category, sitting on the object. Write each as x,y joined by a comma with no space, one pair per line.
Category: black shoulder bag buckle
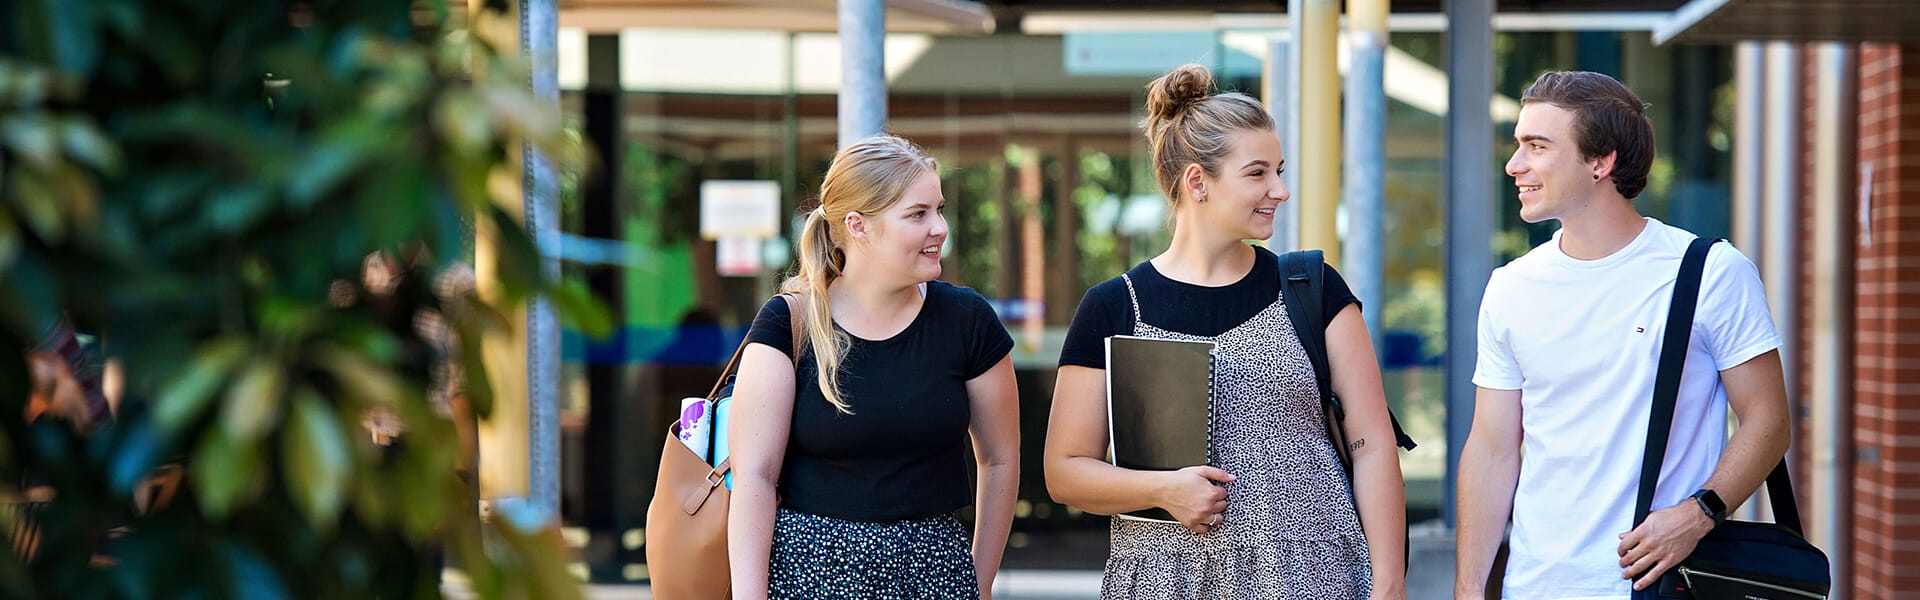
1738,560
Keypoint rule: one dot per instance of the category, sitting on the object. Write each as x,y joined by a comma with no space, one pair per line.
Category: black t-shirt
1183,307
903,452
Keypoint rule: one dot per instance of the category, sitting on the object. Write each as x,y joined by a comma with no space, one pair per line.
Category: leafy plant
264,210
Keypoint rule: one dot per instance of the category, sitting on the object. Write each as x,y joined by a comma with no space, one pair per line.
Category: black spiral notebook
1159,395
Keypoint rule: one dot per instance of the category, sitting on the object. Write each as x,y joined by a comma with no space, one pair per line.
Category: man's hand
1661,542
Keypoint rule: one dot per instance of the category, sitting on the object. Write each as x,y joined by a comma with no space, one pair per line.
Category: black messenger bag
1738,560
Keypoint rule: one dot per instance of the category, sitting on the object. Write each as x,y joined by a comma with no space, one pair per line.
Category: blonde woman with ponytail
1269,517
850,462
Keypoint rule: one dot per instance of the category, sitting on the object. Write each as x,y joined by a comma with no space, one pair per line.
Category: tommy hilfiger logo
1639,330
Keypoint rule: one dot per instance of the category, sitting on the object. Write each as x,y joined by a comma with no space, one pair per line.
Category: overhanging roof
1726,21
908,16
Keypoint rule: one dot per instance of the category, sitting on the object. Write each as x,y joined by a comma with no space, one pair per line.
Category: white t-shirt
1581,341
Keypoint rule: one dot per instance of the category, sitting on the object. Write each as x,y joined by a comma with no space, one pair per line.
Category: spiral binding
1213,374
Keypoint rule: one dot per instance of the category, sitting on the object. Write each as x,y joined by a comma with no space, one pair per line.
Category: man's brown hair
1607,117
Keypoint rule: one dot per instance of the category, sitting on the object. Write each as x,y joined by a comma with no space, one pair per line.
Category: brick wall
1886,519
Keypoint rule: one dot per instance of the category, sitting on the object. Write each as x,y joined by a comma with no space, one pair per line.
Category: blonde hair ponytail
866,177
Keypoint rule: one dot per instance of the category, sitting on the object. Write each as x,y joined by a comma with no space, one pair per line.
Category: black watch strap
1711,504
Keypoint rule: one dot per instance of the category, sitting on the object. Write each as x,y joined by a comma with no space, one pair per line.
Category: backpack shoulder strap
1305,272
1300,291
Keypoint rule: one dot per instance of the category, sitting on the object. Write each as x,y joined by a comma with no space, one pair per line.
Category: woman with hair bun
1270,515
866,436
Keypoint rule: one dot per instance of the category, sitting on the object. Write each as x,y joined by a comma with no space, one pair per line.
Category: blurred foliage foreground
263,210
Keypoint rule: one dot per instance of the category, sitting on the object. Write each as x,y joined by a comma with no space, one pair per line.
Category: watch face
1712,502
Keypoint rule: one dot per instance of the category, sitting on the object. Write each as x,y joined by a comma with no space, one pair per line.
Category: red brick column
1886,518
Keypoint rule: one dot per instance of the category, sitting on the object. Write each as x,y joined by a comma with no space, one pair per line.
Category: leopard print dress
1290,530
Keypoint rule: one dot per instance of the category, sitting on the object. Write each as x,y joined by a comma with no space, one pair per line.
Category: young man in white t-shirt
1570,339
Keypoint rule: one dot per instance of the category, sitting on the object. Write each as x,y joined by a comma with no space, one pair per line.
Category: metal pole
1319,191
1470,211
1280,92
1366,157
540,40
863,76
1831,279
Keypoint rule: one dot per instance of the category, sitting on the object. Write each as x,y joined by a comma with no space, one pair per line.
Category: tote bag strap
797,317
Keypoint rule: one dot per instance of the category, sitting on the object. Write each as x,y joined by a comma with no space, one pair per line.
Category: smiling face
1553,178
1241,199
905,238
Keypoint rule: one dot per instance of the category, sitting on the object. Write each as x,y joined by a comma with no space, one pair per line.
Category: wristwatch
1710,502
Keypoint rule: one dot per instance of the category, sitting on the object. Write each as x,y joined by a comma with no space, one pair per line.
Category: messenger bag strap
1673,358
1666,382
1786,509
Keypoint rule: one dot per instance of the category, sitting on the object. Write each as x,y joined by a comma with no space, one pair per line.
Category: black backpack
1304,271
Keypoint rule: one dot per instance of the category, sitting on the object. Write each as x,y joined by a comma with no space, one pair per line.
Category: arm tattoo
1356,444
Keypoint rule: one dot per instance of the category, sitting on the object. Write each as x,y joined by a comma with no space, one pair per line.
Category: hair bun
1178,89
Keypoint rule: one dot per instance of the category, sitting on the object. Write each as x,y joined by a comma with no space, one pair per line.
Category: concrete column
1470,210
1319,190
863,76
1366,158
1750,77
1831,320
1749,80
1782,197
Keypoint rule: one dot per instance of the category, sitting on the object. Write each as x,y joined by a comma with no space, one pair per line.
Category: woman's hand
1193,498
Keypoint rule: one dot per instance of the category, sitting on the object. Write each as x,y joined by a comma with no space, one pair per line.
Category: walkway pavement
1429,576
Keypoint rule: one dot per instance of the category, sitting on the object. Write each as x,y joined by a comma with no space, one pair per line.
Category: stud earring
1596,176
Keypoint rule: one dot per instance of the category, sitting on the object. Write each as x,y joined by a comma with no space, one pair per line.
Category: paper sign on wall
739,209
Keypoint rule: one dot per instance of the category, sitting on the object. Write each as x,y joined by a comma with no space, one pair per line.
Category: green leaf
461,118
371,501
252,405
473,364
343,148
429,486
9,241
316,461
580,310
85,142
287,319
236,207
182,400
362,378
32,136
516,259
41,207
223,472
367,340
23,86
